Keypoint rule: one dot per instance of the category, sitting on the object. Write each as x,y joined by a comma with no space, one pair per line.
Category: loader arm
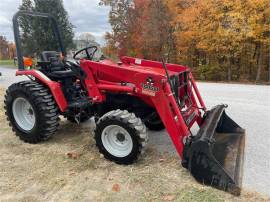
215,154
171,116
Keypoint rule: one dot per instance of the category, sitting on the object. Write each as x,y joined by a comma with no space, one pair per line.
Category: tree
218,39
7,49
220,34
155,34
3,48
121,18
211,27
140,28
85,39
38,33
258,29
27,29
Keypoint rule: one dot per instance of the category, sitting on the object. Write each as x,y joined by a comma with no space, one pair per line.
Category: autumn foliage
218,39
7,49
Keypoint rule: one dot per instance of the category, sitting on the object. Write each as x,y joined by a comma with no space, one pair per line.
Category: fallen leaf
169,197
161,160
116,188
73,155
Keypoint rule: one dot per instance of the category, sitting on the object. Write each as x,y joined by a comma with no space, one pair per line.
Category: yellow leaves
222,24
212,26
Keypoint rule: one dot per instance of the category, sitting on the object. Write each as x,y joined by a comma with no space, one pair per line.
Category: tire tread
47,109
131,121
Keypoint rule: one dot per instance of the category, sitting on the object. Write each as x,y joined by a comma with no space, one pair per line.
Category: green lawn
7,63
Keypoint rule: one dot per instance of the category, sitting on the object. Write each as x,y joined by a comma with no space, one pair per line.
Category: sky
85,15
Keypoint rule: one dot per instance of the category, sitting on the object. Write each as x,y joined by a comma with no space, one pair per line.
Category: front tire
31,111
120,136
153,122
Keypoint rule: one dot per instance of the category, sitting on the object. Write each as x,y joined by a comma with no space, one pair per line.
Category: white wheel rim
117,141
23,114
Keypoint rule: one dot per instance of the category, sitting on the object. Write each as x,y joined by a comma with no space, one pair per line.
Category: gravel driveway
249,106
8,76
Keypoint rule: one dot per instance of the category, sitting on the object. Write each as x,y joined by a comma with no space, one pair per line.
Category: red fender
54,87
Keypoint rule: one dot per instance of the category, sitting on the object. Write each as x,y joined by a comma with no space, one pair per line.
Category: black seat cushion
62,74
56,69
47,55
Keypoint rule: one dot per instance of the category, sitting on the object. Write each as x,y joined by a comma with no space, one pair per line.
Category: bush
208,72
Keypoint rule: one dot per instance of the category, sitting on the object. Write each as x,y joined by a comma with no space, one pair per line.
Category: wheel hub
117,141
120,137
23,113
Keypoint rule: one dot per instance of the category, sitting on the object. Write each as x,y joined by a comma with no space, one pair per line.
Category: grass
7,63
43,172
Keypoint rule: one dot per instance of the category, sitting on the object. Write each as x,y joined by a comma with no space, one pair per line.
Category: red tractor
125,98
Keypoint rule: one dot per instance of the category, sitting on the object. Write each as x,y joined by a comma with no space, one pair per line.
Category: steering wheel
89,56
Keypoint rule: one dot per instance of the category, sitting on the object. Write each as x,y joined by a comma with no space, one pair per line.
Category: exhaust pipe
215,156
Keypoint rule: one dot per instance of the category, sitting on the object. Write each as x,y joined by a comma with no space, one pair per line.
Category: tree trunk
229,69
260,62
269,66
239,73
250,71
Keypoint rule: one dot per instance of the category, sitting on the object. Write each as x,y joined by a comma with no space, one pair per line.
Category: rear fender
54,87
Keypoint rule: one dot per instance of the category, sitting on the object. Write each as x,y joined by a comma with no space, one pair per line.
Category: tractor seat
57,68
46,56
62,74
53,58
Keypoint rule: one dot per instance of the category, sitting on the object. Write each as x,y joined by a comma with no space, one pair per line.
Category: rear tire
120,136
31,111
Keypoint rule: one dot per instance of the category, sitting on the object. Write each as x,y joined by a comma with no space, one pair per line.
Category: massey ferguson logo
149,89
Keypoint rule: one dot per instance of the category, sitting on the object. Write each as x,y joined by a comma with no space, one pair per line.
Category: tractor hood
141,65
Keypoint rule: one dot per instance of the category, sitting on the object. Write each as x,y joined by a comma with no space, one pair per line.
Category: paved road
8,76
249,106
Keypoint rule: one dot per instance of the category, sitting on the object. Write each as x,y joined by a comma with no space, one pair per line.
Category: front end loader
125,98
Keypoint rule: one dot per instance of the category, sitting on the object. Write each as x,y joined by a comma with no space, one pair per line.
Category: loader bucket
215,156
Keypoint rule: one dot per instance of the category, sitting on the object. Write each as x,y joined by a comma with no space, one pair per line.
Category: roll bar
17,38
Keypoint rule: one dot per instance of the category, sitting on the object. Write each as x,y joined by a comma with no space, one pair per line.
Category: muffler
215,156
